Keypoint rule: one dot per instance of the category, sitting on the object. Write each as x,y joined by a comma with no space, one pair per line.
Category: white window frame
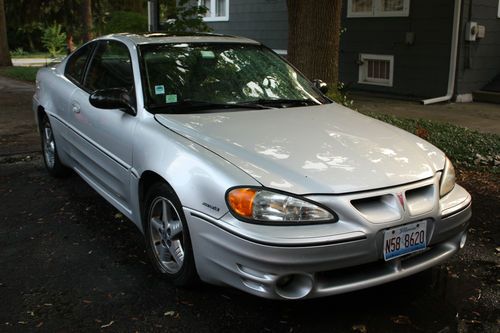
498,15
377,10
212,17
363,69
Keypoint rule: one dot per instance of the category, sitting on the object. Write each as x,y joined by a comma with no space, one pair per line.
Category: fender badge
211,206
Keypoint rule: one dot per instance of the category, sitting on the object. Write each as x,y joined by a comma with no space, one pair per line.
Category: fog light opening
463,239
294,286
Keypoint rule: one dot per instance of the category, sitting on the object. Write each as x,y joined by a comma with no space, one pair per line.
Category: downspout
453,57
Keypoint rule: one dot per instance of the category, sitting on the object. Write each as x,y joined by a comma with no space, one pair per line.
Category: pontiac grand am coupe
239,171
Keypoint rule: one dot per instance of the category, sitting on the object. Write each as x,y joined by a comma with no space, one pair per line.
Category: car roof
162,37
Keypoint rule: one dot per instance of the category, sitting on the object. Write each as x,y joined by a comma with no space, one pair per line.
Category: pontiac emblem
401,200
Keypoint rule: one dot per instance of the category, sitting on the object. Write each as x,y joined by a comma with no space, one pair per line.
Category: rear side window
110,67
76,63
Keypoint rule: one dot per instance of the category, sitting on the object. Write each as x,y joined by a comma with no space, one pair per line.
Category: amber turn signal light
241,201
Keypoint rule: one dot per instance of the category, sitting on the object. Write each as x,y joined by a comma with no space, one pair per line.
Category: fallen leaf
108,324
401,320
359,328
169,313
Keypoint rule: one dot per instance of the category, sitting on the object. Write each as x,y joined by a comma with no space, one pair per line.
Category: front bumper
318,267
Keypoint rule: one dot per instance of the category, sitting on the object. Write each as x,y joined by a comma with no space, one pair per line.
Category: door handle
75,107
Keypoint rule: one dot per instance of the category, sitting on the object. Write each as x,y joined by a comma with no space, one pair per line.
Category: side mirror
321,86
113,98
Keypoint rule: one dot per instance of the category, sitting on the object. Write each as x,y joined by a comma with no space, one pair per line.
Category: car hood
315,149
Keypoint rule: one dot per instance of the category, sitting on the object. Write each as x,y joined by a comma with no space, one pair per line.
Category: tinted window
110,67
76,63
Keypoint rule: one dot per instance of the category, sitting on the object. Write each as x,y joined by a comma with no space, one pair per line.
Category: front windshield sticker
171,99
160,90
207,54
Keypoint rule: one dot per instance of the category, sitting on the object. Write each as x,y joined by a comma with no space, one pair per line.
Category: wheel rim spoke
49,145
177,252
165,211
162,252
175,228
157,224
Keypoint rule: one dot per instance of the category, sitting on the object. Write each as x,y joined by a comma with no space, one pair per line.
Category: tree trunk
87,20
4,45
314,38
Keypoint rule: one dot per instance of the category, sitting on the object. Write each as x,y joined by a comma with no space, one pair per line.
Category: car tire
51,159
168,242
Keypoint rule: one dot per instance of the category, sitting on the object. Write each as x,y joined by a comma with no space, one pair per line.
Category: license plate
404,239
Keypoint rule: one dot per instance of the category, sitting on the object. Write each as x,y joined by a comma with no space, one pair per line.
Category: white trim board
376,10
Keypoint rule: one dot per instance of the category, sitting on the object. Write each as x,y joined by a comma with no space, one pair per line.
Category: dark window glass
110,67
220,74
76,63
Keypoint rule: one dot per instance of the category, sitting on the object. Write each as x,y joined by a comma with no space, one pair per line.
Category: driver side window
111,67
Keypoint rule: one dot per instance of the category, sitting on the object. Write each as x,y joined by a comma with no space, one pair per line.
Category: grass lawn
20,73
468,149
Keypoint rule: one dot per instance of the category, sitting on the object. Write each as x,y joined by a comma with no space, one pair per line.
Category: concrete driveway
17,128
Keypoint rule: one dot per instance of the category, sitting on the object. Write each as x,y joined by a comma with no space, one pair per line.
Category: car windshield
199,77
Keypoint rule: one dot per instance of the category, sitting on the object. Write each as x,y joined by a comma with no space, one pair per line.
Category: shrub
18,52
123,21
338,95
54,40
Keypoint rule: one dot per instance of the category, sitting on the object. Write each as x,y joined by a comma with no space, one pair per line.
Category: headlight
447,179
260,205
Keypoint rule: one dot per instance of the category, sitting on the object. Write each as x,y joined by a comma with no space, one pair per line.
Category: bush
338,95
122,21
18,52
54,40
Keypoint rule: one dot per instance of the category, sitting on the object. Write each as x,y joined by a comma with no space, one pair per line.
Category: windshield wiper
188,105
282,102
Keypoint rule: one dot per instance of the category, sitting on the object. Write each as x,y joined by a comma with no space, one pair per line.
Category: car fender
199,177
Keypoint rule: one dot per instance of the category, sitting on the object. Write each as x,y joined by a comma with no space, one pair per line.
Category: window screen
360,6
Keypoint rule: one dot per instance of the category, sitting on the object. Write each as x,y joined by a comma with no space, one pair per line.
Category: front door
103,151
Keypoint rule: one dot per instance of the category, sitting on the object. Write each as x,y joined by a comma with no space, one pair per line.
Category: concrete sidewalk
34,62
482,117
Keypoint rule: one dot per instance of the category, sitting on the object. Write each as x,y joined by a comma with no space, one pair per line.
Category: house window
376,69
218,10
378,8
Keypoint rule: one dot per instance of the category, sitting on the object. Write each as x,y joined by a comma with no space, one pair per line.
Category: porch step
487,96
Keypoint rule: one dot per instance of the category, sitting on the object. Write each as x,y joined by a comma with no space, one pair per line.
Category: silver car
240,172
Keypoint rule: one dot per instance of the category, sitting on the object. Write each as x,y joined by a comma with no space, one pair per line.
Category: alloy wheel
166,232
